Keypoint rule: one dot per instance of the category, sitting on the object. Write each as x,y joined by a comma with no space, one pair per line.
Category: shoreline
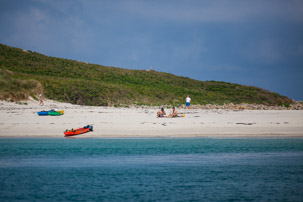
22,121
265,136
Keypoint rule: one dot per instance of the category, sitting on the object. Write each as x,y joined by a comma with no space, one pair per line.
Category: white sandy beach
19,120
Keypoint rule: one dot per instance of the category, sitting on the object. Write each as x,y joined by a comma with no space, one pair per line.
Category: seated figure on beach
161,113
174,114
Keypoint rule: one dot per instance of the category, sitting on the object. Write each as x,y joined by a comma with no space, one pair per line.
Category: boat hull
56,113
78,131
51,113
43,113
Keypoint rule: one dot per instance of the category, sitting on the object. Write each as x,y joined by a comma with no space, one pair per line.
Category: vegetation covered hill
90,84
17,89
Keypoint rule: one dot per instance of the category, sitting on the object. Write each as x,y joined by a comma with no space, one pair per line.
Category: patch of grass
21,103
16,89
34,96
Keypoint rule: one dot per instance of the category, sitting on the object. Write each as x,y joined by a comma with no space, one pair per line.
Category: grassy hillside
90,84
17,89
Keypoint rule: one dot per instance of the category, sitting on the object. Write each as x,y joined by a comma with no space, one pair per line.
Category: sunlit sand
21,120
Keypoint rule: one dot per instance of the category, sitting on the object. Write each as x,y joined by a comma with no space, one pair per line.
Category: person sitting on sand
174,114
161,113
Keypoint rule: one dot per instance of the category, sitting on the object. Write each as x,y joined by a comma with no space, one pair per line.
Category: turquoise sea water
193,169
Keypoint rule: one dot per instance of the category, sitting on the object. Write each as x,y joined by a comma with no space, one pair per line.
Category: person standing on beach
40,98
187,100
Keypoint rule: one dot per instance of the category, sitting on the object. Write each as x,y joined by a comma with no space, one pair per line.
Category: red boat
78,131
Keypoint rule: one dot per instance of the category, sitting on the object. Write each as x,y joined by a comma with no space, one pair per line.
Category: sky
249,42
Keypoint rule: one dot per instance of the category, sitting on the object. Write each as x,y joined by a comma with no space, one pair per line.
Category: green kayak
56,113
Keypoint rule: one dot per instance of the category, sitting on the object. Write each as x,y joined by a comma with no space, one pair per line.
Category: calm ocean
192,169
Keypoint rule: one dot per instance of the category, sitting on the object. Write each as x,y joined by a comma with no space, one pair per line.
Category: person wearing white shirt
187,100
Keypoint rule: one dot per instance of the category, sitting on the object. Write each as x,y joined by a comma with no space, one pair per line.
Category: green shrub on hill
90,84
15,89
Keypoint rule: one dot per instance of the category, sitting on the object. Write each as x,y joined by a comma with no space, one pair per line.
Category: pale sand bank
22,121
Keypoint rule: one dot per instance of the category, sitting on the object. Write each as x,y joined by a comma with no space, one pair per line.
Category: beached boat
56,113
45,113
78,131
51,112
